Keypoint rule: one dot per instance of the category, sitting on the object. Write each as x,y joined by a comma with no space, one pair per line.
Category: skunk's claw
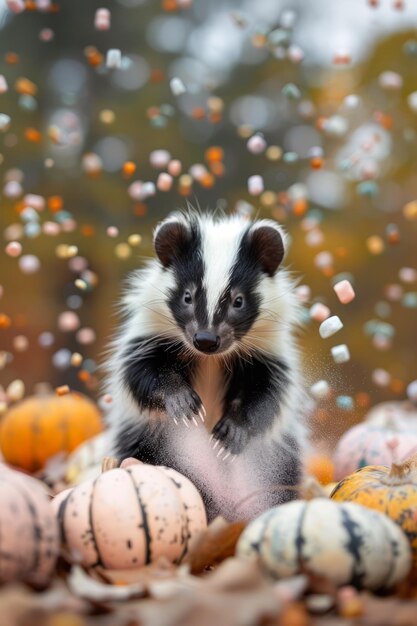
220,451
184,404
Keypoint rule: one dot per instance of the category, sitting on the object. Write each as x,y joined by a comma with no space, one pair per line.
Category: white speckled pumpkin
85,461
394,415
373,443
129,517
29,534
340,541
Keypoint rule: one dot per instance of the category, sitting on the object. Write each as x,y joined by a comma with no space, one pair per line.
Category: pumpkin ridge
91,522
353,546
145,523
37,530
185,533
61,518
393,551
9,555
300,540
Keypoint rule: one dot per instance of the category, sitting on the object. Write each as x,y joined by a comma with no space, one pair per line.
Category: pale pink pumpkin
130,516
387,435
29,535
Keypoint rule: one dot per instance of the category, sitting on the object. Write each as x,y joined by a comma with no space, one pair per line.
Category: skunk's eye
188,297
238,302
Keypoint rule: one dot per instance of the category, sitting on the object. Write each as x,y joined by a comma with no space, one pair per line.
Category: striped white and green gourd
345,542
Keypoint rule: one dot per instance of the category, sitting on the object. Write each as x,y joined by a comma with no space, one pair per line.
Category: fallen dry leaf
161,579
20,605
214,545
236,593
236,574
310,488
390,611
84,586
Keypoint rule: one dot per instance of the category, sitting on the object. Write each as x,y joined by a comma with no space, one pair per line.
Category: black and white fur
229,417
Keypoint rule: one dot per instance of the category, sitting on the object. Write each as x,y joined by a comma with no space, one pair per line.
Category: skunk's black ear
171,239
267,245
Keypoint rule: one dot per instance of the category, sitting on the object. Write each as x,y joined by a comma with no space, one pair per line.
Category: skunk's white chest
209,382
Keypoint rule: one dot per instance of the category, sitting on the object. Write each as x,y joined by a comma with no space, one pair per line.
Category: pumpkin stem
399,470
108,463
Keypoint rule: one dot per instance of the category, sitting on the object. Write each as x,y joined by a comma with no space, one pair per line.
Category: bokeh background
330,90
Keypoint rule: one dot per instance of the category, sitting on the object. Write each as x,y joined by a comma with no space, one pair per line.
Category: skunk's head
223,272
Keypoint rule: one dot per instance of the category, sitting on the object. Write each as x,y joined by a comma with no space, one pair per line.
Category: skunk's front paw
230,437
184,404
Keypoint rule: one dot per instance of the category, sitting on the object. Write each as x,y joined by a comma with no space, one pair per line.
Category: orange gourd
321,467
391,491
37,428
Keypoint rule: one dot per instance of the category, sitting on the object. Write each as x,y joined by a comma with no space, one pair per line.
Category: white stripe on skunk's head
221,269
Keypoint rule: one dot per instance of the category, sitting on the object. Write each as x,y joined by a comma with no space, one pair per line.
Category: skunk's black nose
206,341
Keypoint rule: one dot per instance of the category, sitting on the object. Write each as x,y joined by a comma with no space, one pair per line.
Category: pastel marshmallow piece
164,182
412,391
177,86
114,58
3,84
330,326
340,353
255,185
320,389
319,312
344,291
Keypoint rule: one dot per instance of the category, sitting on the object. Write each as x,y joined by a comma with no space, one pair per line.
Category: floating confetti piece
291,91
4,122
15,390
13,249
16,6
256,144
114,58
63,390
68,321
345,402
102,19
412,391
159,158
29,264
3,84
112,231
390,81
410,210
164,182
381,377
177,86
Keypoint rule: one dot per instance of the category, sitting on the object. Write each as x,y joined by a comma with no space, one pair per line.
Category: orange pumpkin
391,491
37,428
321,467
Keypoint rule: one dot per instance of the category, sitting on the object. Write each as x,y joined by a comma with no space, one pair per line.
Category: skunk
204,371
